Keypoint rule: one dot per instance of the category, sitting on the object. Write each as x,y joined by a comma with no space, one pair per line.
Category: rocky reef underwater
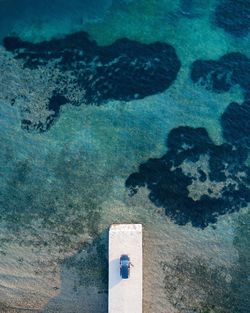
138,112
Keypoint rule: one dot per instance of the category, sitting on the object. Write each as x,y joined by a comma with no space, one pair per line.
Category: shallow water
66,166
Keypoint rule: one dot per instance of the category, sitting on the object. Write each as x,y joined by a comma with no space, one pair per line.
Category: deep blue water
124,111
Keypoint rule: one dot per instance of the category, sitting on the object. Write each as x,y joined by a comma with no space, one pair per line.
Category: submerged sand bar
125,295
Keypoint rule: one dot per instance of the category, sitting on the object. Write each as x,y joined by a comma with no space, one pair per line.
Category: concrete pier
125,295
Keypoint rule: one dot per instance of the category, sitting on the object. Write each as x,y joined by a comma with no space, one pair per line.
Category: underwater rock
233,16
221,75
55,102
196,180
124,70
235,122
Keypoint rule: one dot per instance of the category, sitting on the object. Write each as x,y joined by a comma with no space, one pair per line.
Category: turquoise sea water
96,130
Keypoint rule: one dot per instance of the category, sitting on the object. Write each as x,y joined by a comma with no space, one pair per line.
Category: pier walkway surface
125,295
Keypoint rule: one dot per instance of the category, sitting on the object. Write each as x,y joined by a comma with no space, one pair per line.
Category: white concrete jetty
125,295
